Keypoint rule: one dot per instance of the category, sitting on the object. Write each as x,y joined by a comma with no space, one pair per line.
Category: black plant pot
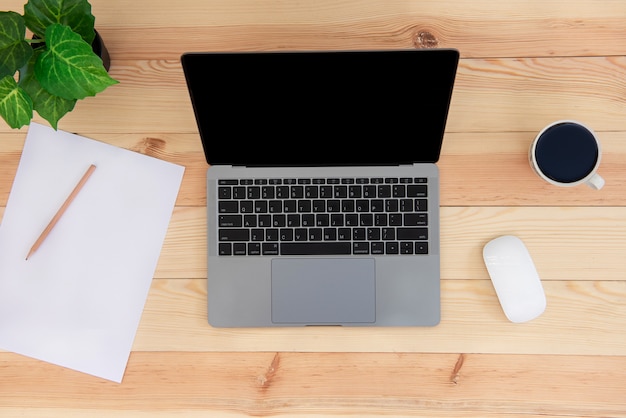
100,50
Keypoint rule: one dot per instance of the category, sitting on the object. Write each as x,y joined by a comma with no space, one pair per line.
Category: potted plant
49,71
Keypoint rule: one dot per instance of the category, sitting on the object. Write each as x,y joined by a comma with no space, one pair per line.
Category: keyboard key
366,219
225,249
297,192
377,205
352,219
340,192
391,247
373,234
395,219
315,234
399,190
421,205
267,192
369,192
417,190
293,220
421,248
246,206
282,192
360,248
311,192
239,248
347,205
228,206
265,221
279,220
300,234
239,192
224,192
229,234
290,206
260,206
380,219
254,192
319,206
362,205
333,205
388,234
286,234
415,219
315,248
336,219
249,221
254,248
275,206
384,191
326,192
377,248
359,234
257,234
322,219
229,221
269,248
416,234
271,234
406,247
406,205
392,205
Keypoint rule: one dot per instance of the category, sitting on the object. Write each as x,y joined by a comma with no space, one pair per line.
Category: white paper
77,301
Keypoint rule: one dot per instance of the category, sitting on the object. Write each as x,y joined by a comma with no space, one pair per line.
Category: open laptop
322,188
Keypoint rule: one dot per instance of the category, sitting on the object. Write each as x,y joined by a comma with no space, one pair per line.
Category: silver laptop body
316,159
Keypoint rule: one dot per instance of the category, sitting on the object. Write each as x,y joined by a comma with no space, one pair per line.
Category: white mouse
515,278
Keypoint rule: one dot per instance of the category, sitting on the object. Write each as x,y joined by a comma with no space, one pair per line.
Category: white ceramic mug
567,153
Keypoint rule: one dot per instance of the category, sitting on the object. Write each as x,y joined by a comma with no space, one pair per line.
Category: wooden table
524,64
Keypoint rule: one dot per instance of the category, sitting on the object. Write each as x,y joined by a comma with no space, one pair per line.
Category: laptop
322,187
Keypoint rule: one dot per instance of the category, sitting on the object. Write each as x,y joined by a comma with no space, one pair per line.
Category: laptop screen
321,108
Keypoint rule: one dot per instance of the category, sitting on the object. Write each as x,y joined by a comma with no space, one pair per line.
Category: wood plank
494,164
578,244
566,243
510,95
321,384
582,317
484,28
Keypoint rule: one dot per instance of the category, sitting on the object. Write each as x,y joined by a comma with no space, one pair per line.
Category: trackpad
323,291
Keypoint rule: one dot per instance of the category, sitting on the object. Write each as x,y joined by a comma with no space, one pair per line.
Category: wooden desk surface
524,64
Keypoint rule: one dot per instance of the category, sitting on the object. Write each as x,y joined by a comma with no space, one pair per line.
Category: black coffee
566,152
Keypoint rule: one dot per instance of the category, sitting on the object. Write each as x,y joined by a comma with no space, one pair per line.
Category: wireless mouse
515,278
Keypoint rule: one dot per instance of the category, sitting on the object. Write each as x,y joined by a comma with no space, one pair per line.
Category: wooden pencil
61,210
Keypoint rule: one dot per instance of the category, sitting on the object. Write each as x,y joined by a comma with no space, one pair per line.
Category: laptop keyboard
322,216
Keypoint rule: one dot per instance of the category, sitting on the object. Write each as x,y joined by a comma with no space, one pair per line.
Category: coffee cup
567,153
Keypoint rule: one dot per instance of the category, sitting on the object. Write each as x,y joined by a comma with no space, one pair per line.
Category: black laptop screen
321,108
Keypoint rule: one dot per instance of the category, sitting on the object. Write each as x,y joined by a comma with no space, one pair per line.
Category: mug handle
596,182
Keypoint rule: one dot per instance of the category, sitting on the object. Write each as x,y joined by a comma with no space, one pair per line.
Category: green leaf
51,108
15,106
39,14
69,68
14,50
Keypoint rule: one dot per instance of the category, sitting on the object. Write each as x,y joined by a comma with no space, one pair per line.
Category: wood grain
582,316
308,384
524,65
